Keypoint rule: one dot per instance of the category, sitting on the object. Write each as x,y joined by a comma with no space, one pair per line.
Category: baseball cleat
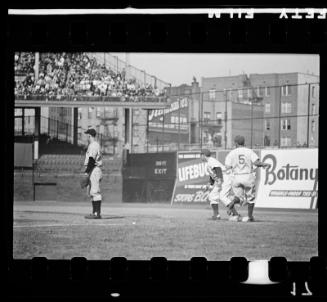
247,219
235,218
215,217
93,216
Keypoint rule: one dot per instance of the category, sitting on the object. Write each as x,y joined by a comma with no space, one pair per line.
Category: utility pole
225,119
308,121
147,130
251,123
279,116
201,117
179,121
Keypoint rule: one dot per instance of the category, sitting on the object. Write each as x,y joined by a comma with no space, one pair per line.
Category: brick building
291,103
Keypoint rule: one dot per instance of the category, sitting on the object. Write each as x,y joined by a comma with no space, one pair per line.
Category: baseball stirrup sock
215,209
93,207
250,209
98,206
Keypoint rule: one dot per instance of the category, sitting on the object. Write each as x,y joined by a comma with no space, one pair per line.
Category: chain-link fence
284,116
129,71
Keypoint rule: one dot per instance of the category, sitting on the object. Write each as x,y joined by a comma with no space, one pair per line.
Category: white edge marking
163,11
259,273
65,225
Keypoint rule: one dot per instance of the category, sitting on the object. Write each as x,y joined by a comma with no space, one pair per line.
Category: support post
251,123
37,125
75,126
131,129
147,130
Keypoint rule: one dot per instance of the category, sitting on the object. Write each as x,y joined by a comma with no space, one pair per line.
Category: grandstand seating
64,75
73,163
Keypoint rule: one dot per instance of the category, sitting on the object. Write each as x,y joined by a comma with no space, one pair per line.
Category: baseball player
93,163
220,186
242,162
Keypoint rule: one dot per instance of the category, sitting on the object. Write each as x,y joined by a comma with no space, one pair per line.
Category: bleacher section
55,146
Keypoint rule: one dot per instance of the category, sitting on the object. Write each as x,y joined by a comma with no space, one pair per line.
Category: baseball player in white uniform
93,163
220,186
243,162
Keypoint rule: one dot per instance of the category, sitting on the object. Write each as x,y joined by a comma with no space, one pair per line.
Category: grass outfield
58,230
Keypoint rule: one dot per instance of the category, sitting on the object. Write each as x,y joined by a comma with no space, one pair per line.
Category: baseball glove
85,181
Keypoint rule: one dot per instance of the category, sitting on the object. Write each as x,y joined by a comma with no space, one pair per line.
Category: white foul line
65,225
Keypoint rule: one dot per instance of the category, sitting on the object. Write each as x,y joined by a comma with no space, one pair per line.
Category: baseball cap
206,152
91,132
239,139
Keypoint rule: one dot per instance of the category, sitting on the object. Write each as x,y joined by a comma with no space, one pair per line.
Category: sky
178,69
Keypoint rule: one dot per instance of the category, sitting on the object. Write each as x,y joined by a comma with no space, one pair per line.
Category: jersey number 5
241,159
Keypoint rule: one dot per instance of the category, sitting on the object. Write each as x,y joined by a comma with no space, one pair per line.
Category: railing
52,129
62,98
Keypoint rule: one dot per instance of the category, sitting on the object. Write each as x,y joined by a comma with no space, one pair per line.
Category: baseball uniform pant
221,193
94,187
244,187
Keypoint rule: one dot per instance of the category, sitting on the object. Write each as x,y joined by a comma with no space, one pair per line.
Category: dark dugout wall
149,177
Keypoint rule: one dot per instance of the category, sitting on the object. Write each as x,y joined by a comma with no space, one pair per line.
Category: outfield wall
291,181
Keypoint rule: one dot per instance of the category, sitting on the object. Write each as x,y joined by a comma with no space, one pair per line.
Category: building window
219,117
206,116
266,141
259,91
106,112
286,107
229,94
267,91
313,90
313,109
18,112
285,142
267,108
240,93
286,124
90,112
212,94
98,112
313,126
79,113
249,93
286,90
267,124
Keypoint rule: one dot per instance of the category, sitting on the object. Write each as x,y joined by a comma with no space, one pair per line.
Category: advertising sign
291,181
168,119
192,176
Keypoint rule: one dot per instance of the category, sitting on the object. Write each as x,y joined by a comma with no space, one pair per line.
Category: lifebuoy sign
191,178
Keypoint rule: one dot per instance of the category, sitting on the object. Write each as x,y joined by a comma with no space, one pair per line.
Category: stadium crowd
75,74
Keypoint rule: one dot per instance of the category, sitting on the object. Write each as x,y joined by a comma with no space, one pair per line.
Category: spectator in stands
75,74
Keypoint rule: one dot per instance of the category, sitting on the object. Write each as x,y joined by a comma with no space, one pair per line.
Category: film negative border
160,277
123,278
